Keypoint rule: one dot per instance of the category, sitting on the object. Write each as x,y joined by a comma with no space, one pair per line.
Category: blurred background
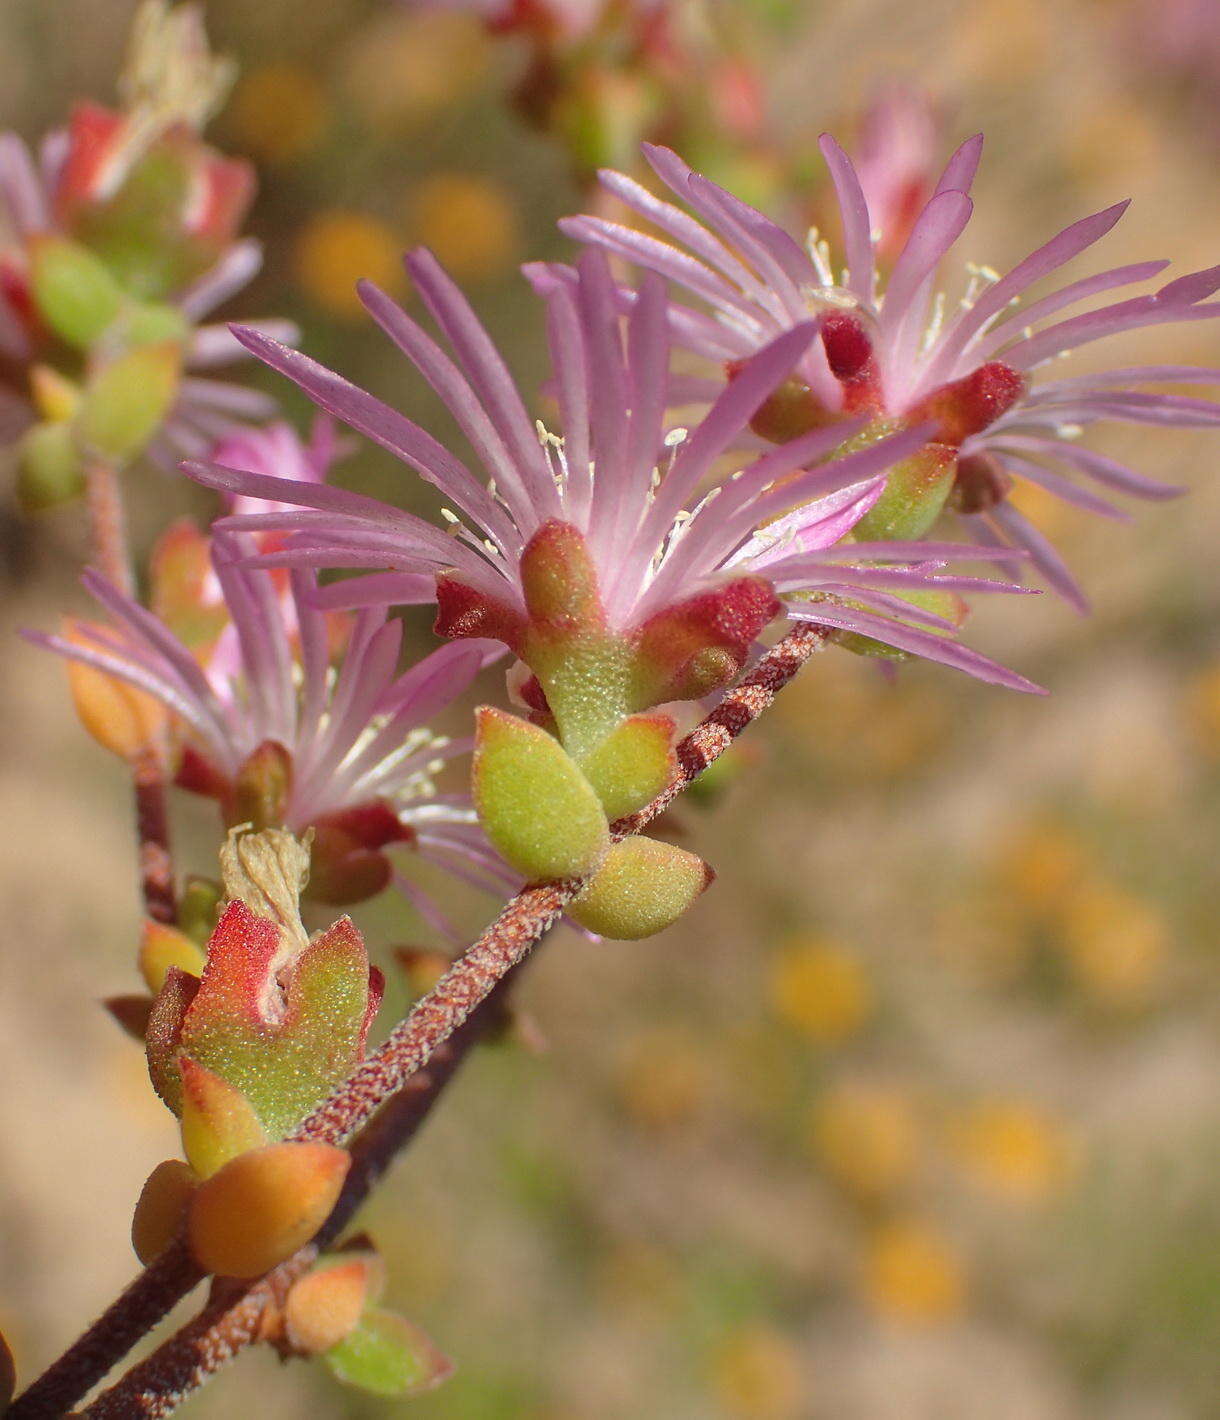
916,1116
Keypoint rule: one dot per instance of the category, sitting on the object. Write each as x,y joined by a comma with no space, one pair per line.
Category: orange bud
161,1209
162,947
264,1205
325,1305
120,718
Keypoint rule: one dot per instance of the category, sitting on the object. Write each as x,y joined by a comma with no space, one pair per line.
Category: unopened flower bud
120,718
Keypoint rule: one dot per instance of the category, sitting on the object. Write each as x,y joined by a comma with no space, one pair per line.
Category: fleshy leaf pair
331,1313
545,816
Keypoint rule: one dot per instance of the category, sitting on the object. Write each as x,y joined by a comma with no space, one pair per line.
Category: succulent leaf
915,493
632,764
262,1206
126,400
161,947
326,1304
389,1356
73,289
161,1209
164,1032
536,806
642,887
218,1121
283,1043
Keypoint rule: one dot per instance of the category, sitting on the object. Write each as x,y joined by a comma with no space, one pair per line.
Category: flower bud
120,718
161,1209
262,1206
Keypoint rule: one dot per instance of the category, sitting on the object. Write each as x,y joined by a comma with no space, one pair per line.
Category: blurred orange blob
756,1374
468,221
1041,864
402,68
821,989
120,718
664,1079
336,249
1116,945
866,1137
912,1273
1013,1148
279,112
1203,710
1052,516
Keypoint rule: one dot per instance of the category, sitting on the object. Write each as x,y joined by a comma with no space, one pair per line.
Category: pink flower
683,563
282,728
898,357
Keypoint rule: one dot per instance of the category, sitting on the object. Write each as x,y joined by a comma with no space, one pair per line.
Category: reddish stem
108,524
152,830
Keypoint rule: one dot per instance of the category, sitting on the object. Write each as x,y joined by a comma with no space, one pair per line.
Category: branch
108,524
152,833
457,995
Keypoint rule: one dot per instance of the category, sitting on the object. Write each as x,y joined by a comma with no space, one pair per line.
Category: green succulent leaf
74,290
642,887
388,1356
127,399
535,804
49,467
632,764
